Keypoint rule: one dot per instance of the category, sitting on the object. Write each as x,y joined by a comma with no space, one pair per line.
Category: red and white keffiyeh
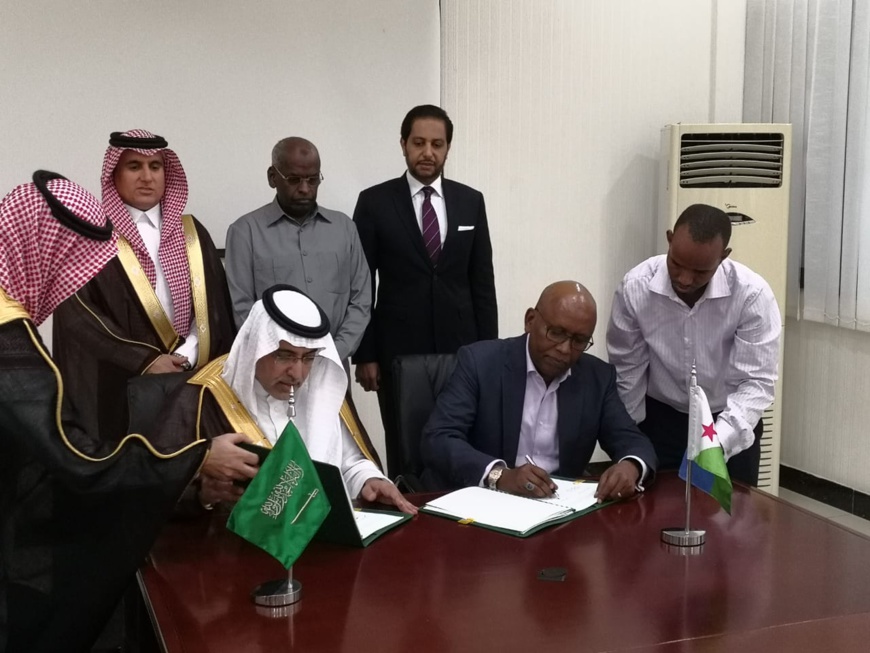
42,262
172,251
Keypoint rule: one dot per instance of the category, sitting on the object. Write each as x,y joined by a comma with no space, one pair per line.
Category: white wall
222,81
558,107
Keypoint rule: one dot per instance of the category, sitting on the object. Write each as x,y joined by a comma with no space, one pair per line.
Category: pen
532,462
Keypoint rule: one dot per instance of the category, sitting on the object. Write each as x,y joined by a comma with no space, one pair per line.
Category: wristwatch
493,476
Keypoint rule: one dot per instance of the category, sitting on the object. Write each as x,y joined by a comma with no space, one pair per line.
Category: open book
345,524
513,514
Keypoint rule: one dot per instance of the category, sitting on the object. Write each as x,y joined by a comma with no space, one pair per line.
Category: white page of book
497,509
371,521
577,495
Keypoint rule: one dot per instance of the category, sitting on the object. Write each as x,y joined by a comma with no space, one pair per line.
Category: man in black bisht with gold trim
162,306
283,353
77,515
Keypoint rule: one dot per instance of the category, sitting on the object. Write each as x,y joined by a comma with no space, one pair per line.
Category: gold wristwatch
493,476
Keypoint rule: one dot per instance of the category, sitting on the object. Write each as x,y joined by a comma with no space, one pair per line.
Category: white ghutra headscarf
319,398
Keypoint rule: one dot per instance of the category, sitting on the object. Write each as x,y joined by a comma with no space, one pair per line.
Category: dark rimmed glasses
313,180
558,336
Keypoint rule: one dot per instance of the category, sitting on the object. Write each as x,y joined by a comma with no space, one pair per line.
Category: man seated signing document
283,361
519,409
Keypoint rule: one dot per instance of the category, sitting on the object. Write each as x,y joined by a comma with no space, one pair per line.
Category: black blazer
478,415
423,308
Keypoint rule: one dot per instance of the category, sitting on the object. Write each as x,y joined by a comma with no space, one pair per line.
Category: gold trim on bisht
241,420
146,294
238,416
37,343
355,429
197,287
11,310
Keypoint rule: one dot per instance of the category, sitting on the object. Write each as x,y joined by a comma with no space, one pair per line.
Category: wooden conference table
771,578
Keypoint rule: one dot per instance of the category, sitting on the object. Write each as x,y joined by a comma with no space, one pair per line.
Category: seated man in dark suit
519,409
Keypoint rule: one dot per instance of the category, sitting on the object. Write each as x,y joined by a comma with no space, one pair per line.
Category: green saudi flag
284,504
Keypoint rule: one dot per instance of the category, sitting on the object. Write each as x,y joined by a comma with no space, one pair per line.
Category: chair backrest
417,381
145,397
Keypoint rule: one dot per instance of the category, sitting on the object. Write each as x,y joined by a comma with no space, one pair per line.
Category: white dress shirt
272,418
731,335
148,224
538,437
437,199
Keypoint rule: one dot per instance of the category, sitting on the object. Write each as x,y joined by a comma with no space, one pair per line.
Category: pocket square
465,227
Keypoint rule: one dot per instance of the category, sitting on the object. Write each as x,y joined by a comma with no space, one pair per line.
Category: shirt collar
274,212
417,186
717,287
530,368
153,215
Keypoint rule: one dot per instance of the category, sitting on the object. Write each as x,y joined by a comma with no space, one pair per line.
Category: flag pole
689,466
291,403
686,537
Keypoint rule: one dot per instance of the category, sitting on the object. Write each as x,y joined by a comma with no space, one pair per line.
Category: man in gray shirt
293,240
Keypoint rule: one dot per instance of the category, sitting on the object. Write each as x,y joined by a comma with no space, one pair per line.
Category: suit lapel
454,213
405,213
513,384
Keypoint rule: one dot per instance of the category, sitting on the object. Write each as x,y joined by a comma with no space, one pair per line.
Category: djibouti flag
709,471
284,504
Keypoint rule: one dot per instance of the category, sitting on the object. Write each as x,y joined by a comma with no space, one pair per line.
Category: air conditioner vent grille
735,160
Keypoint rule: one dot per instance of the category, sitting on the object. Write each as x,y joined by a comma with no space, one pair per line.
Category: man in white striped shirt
696,306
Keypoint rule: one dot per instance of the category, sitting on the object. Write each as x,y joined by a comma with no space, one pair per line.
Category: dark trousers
668,429
387,404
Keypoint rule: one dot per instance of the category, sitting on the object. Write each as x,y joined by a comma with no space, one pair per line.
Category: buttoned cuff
730,438
488,469
643,471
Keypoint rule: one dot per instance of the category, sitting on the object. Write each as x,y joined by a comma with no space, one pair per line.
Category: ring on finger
530,486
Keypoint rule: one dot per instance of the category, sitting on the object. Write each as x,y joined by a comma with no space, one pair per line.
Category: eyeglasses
557,335
286,358
313,181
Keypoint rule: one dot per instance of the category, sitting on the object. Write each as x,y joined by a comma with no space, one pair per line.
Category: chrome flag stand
280,592
686,537
277,593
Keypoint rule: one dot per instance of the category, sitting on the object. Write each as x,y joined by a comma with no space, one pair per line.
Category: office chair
146,395
417,382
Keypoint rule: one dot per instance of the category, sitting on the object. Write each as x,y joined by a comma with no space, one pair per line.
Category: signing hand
382,491
368,375
527,480
228,462
166,363
618,482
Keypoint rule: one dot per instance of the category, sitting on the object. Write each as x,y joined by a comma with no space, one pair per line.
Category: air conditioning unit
743,169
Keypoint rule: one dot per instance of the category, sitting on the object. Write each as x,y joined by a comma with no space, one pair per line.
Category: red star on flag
709,431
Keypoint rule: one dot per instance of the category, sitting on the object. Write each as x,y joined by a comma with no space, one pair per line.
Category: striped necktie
431,233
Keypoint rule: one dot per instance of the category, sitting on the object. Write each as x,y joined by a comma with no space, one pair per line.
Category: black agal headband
66,217
312,331
118,139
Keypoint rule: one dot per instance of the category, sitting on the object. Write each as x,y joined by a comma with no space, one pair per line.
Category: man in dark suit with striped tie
427,240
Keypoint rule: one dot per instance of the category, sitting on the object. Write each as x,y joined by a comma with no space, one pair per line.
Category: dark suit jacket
478,415
423,308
